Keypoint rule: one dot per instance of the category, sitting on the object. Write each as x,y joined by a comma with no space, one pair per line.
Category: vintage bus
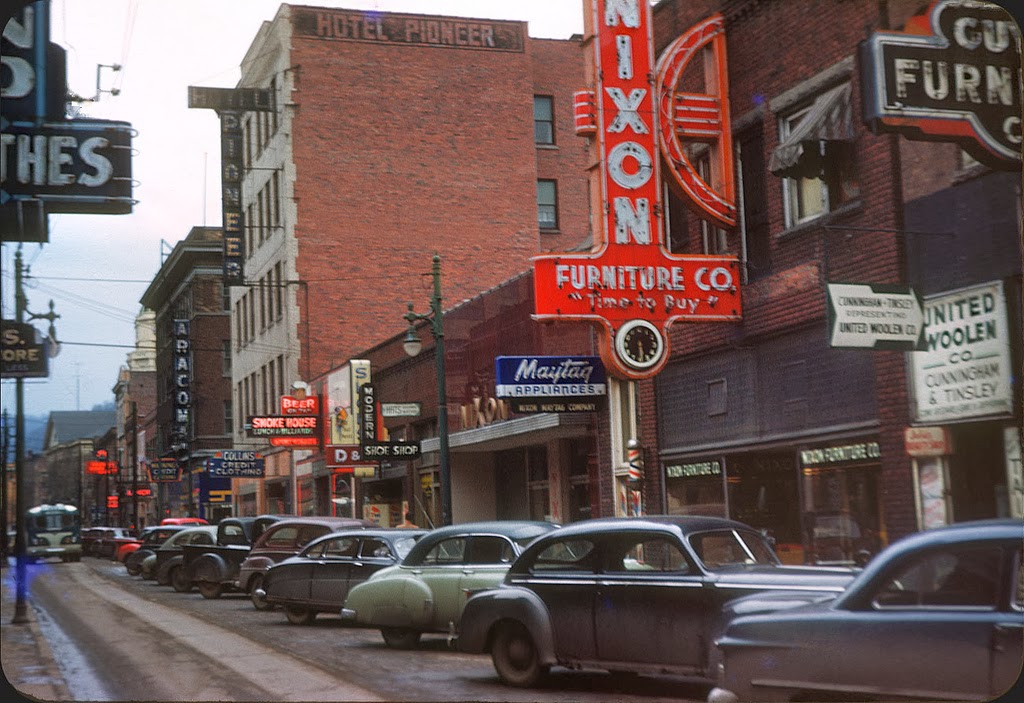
53,531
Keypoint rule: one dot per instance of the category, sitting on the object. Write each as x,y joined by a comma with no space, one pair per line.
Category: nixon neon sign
630,283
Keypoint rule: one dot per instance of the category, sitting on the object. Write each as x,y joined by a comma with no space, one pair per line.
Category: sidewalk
28,664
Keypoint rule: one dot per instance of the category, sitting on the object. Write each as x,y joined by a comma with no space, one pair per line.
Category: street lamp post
412,346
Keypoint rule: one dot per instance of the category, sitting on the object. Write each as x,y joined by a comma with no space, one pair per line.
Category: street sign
341,456
881,317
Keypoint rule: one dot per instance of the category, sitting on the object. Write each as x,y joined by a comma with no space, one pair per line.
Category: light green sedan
429,589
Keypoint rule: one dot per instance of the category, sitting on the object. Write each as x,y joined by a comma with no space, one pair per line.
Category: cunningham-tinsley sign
965,370
951,75
630,285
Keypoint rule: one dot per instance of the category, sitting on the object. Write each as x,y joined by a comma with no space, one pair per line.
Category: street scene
456,350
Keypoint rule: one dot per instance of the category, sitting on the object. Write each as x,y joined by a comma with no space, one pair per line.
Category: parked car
167,568
150,540
281,540
427,591
937,615
214,568
109,540
636,595
318,578
184,521
91,538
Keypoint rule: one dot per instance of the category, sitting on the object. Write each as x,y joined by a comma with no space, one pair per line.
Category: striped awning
803,152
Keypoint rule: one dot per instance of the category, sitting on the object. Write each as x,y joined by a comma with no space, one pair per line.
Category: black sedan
319,577
938,615
637,595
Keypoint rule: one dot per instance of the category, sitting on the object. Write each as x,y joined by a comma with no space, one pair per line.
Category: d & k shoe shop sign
965,371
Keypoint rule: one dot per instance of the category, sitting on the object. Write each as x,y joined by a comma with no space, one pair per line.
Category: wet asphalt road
138,649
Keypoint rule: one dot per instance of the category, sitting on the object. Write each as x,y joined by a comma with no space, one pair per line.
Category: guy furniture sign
952,75
865,316
965,370
630,285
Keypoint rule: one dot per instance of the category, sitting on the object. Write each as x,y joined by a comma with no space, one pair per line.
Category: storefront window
763,494
695,488
841,521
583,464
537,483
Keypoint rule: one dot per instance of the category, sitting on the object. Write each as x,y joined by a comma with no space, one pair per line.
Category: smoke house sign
630,285
952,75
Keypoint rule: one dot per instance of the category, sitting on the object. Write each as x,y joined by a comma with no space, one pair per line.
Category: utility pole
21,489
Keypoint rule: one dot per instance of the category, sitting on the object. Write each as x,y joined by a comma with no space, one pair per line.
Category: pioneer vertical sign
231,104
630,284
951,75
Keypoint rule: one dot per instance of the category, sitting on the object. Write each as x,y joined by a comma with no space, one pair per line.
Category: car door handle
357,563
1006,628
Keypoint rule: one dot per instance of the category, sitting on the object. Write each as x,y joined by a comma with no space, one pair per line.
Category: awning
804,151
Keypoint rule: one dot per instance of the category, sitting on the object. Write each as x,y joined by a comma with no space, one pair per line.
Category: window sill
548,147
844,210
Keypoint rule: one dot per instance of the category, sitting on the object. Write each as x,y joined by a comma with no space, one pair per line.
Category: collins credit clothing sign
236,464
966,369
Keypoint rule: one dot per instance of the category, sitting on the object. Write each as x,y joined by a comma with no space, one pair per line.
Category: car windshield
719,549
404,545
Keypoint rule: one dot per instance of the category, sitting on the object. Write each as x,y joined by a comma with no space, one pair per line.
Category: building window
278,290
753,203
229,420
543,119
717,397
225,297
537,483
815,156
226,358
275,198
714,240
547,204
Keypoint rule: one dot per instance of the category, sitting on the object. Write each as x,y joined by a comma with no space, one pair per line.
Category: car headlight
68,540
38,542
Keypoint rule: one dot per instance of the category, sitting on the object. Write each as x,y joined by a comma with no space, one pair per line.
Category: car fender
251,567
487,609
163,574
208,567
399,600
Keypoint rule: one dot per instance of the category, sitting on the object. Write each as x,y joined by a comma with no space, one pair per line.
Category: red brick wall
772,47
403,151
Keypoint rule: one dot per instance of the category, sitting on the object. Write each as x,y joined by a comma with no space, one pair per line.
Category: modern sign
965,370
236,464
867,316
630,285
371,430
23,353
953,74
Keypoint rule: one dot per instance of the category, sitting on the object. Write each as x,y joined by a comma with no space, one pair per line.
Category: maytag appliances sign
953,74
535,384
965,371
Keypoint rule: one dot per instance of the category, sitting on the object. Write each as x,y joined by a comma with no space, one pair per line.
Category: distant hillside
35,433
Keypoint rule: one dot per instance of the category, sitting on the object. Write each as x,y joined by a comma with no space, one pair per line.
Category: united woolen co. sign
630,284
952,75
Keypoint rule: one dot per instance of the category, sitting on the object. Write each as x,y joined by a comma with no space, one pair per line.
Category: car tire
260,603
133,568
515,656
211,590
400,637
180,581
299,615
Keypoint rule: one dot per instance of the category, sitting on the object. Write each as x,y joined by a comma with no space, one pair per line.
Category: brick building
763,420
394,137
193,410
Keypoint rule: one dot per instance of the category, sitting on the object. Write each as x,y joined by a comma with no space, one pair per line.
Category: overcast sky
96,267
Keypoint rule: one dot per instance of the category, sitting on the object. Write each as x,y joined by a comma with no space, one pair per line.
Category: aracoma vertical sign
182,378
953,74
630,285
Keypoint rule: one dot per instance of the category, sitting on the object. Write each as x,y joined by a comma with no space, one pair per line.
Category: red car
183,521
